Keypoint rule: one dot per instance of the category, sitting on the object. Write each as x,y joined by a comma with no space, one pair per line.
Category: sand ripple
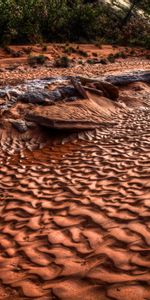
75,218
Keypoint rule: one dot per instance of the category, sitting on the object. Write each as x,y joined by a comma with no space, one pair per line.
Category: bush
70,50
40,59
62,62
78,20
90,61
120,55
82,53
111,58
103,61
27,50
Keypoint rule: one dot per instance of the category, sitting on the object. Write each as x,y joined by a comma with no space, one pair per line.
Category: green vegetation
62,62
39,59
30,21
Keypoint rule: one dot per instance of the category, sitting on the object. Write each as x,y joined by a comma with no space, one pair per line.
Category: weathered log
129,78
40,97
92,90
79,88
47,97
110,91
8,96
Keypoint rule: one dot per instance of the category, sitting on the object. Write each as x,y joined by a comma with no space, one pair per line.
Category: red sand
75,217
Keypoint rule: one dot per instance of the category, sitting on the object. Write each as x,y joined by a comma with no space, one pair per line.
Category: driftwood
46,97
109,91
92,90
8,96
79,88
129,78
141,76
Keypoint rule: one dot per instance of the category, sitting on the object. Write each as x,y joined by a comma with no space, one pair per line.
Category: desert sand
74,207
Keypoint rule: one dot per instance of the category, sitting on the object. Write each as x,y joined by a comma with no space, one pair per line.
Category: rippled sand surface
75,218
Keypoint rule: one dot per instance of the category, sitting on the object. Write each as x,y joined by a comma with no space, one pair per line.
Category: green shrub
90,61
103,61
70,50
27,50
41,21
7,49
82,53
120,54
33,60
111,58
62,62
